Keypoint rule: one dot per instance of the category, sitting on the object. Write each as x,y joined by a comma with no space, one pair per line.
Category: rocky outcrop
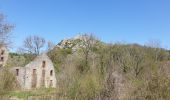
74,43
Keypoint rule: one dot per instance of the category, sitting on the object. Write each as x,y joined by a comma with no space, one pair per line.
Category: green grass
23,95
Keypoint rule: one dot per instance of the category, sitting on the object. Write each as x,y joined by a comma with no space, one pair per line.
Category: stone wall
3,56
38,73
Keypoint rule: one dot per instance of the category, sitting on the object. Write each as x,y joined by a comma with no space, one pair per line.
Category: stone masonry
38,73
3,55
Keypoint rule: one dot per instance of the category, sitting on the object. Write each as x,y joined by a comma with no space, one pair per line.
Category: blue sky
132,21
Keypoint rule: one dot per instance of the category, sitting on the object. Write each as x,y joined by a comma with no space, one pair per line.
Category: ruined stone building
38,73
3,55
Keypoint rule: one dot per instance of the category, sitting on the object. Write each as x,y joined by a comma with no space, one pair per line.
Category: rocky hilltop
75,42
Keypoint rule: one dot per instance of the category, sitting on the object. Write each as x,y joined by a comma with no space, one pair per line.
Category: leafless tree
157,50
33,45
51,45
88,43
137,59
5,31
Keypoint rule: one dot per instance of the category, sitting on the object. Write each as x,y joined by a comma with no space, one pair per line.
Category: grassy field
24,95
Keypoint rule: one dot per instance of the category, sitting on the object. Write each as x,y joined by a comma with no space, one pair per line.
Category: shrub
8,81
85,88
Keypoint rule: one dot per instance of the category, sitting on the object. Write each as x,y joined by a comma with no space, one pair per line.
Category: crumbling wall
36,74
3,56
19,72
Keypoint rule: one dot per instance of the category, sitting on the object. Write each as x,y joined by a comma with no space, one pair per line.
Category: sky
130,21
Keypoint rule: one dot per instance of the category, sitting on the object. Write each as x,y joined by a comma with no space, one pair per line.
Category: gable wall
26,73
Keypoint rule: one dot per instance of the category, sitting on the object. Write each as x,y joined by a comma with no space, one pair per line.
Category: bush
8,81
85,88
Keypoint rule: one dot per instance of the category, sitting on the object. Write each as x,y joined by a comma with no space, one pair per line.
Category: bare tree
5,31
155,48
33,45
51,45
137,59
88,43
